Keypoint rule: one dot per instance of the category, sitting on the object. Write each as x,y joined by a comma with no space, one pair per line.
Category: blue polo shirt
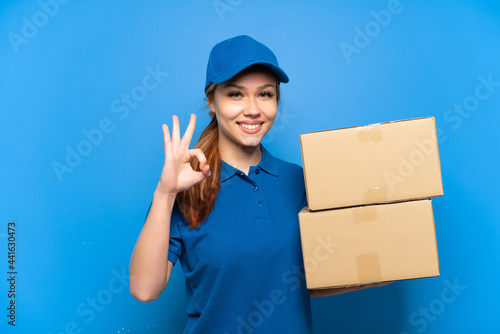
243,266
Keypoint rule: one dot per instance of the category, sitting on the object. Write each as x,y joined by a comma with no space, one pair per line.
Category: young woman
227,209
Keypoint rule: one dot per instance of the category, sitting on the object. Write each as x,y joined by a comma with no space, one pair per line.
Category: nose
252,108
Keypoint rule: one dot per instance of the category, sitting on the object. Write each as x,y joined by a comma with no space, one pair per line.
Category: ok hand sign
177,174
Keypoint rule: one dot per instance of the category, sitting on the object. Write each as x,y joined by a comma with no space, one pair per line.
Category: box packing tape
368,266
369,133
376,194
364,214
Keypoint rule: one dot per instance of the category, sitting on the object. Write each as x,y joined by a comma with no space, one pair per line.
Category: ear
211,104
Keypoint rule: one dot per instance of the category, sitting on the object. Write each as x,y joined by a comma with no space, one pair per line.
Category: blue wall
78,204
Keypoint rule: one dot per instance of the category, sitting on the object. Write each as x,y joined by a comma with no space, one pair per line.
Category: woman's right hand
177,174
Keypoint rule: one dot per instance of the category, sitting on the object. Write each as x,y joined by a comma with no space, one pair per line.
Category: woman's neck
241,157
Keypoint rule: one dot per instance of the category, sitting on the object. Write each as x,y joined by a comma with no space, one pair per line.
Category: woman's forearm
149,266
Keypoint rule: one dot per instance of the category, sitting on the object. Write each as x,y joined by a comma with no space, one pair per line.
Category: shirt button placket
258,196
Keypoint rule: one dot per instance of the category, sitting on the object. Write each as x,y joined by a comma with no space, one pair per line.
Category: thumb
203,174
206,171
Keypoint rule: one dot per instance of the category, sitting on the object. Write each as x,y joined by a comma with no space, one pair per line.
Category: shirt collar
267,164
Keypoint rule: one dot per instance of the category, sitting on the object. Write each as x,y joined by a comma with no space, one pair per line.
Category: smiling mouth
250,126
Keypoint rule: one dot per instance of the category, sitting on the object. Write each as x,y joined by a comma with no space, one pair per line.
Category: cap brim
277,71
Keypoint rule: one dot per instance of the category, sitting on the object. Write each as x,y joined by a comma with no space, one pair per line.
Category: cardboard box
368,244
379,163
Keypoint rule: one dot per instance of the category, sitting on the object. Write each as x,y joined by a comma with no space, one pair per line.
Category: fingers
166,138
204,167
203,174
205,170
196,152
166,134
186,139
188,135
176,137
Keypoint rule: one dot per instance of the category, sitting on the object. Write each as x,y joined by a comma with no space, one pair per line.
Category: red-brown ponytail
197,202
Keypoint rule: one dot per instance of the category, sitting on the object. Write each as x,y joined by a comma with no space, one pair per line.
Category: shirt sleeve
303,189
175,245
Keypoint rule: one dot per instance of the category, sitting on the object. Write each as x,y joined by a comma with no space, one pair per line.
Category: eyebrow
242,87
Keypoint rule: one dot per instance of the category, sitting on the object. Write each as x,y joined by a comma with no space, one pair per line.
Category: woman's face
245,107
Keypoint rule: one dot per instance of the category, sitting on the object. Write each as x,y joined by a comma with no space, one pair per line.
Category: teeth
249,126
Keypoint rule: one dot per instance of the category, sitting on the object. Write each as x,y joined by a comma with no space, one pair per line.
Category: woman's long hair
196,202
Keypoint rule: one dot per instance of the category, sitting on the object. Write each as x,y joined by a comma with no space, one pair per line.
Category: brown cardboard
368,244
378,163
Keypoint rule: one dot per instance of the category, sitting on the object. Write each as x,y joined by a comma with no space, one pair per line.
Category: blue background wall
66,69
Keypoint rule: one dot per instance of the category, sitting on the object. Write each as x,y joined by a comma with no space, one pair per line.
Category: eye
267,94
234,94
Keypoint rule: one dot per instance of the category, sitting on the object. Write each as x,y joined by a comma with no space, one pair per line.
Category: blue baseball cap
233,55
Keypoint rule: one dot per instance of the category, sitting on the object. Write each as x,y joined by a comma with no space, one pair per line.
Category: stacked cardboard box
369,217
